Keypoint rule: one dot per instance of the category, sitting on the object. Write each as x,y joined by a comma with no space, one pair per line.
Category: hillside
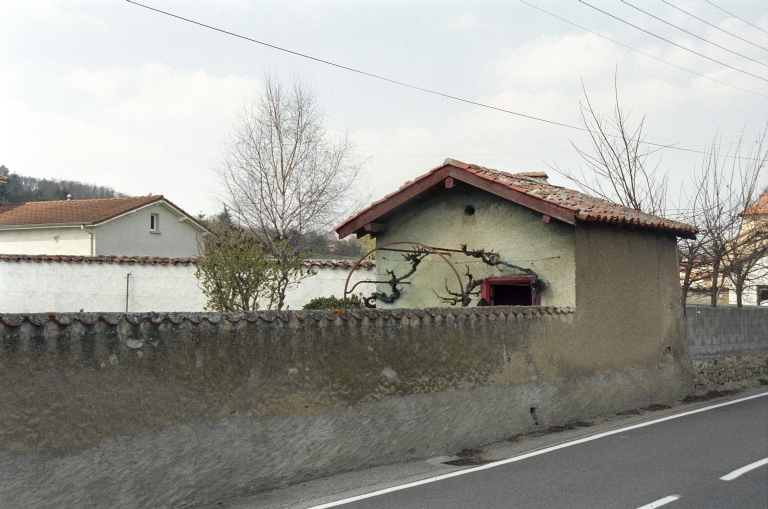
22,189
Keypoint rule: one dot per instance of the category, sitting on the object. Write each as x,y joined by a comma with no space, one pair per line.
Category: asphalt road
644,467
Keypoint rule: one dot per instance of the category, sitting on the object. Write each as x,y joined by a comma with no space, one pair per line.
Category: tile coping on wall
40,319
155,260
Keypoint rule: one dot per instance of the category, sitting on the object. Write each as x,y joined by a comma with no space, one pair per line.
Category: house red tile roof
759,208
93,211
529,190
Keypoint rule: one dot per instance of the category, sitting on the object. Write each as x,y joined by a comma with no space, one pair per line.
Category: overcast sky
114,94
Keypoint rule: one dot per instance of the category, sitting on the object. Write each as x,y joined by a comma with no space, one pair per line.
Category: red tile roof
530,191
759,208
76,211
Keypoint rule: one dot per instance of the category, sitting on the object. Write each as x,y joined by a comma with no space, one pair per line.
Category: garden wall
42,283
177,410
726,345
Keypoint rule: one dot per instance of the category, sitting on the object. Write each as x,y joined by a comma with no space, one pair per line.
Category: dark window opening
762,296
511,295
515,291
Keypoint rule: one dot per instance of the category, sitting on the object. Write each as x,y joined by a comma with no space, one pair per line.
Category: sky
111,93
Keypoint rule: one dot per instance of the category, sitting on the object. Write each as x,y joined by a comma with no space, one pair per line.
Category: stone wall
728,346
179,410
728,371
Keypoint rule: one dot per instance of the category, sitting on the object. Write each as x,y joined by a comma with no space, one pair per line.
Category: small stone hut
528,241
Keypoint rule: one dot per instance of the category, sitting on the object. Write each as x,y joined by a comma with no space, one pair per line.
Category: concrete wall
52,241
725,331
173,411
98,284
515,232
727,345
129,235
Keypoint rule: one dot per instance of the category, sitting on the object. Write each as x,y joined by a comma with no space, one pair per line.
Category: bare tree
691,251
618,161
284,175
732,255
744,248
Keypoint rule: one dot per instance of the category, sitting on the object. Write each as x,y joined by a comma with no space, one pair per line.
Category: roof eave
681,233
76,224
458,172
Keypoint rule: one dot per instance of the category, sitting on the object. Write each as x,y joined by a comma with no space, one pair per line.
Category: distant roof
759,208
529,190
88,212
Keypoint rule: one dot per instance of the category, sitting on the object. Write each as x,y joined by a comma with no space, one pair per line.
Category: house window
509,291
154,223
762,295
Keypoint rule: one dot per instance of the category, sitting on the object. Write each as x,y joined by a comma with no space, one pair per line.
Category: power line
694,35
643,53
672,43
388,80
714,26
364,73
729,14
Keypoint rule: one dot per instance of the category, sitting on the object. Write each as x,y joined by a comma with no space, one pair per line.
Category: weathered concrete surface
198,462
726,331
172,411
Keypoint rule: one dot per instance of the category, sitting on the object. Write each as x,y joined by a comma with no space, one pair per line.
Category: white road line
660,502
743,470
528,455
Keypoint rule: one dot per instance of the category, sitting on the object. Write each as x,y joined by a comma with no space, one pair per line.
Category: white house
756,291
131,226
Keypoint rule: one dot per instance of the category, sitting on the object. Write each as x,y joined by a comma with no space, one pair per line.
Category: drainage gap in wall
535,415
466,462
468,457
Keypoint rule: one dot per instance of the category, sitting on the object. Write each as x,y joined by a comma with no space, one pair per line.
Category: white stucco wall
518,234
326,282
53,241
129,235
749,296
38,287
70,286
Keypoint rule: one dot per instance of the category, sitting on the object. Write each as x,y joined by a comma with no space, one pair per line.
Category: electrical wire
643,53
388,80
693,35
358,71
729,14
673,43
714,26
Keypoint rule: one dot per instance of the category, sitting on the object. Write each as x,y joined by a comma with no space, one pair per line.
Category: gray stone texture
728,371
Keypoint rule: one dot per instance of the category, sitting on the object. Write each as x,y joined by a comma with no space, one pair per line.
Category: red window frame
485,288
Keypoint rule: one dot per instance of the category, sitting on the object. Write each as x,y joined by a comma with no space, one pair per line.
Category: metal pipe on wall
127,289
